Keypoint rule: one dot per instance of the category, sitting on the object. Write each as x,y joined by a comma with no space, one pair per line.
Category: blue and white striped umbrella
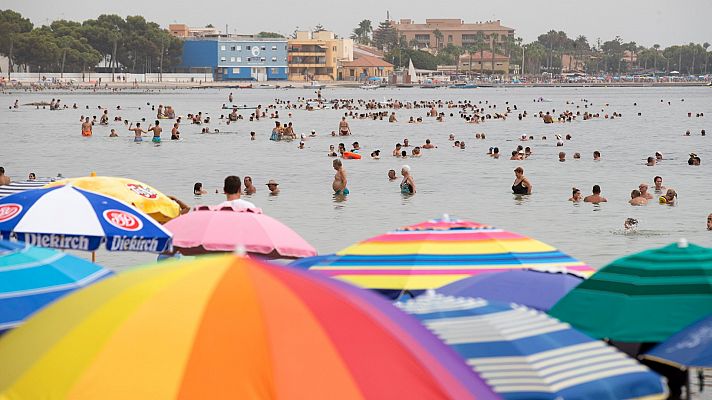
65,217
525,354
21,186
32,277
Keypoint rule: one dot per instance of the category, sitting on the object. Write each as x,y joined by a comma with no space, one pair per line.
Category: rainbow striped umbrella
437,252
228,327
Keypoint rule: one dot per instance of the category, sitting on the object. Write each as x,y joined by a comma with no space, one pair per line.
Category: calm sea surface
464,183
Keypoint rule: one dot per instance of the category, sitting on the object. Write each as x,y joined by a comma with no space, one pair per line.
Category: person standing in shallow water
340,181
407,185
521,184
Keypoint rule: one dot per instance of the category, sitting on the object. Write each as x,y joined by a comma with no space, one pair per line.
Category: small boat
314,85
264,86
369,86
463,86
429,86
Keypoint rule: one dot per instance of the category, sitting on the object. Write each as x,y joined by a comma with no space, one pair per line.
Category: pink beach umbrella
206,230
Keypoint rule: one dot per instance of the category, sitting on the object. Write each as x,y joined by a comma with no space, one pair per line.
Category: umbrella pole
93,256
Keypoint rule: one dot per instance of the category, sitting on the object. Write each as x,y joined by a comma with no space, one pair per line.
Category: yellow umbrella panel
142,196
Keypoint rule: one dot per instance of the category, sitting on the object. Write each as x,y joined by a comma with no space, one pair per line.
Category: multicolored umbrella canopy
140,195
65,217
691,347
206,230
535,289
20,186
643,297
438,252
525,354
228,327
32,277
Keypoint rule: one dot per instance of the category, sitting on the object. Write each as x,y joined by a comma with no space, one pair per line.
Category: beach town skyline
647,23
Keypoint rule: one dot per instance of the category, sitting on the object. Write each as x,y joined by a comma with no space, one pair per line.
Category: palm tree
438,38
480,43
707,56
655,60
470,49
494,45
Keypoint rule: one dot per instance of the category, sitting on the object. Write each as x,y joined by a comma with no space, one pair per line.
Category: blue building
237,58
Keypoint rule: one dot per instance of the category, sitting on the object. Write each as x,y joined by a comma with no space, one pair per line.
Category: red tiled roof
367,61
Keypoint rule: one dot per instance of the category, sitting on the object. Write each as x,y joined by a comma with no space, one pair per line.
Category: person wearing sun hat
273,187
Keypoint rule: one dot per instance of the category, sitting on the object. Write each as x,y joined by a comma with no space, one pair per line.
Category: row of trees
133,44
542,55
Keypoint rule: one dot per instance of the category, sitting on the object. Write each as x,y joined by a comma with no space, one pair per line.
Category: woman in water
575,195
198,189
339,184
669,197
407,185
521,184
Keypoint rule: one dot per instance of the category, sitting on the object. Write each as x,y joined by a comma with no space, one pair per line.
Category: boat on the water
314,85
368,87
463,86
264,86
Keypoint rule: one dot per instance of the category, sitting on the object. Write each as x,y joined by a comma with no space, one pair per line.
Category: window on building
264,47
469,38
249,47
232,59
351,72
263,59
249,59
449,38
274,47
222,48
274,59
422,38
238,48
222,58
274,70
236,70
238,59
232,48
334,48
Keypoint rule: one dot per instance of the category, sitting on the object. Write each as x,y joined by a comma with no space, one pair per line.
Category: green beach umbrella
643,297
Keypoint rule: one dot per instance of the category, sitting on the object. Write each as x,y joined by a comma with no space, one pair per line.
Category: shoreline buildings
451,31
232,57
317,56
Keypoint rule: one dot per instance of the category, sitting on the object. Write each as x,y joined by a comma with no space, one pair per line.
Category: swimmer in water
273,187
668,198
198,189
596,197
344,128
340,181
658,181
521,184
643,187
709,222
392,175
156,133
138,131
575,195
636,199
175,134
86,127
113,133
407,185
332,151
630,224
249,186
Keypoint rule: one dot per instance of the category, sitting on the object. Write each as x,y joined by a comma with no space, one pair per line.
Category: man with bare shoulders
4,179
596,197
156,132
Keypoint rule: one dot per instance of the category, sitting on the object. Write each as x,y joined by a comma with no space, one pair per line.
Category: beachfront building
315,56
227,58
185,31
365,67
452,31
477,62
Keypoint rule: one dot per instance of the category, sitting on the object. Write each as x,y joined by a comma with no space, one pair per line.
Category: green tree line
131,43
544,54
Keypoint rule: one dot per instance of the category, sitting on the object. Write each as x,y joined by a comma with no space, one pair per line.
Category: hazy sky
645,22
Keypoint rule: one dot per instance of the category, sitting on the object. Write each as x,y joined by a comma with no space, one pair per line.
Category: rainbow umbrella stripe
435,253
224,327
